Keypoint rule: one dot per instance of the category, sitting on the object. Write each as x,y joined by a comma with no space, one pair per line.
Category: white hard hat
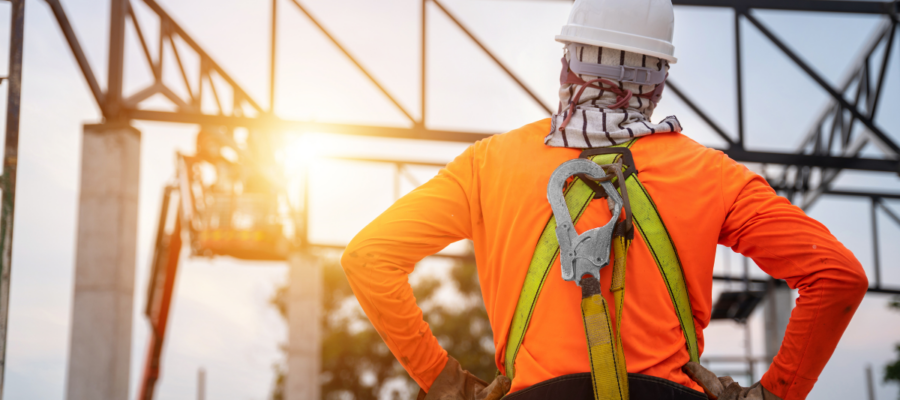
637,26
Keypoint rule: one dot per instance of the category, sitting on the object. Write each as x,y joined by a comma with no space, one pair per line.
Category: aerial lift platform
228,204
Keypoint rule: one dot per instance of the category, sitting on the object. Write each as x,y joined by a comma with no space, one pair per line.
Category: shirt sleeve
789,245
379,259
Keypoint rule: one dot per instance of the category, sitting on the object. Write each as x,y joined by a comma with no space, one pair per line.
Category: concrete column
100,341
779,303
304,328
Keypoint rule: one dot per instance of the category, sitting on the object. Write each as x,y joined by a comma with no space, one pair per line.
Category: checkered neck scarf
593,124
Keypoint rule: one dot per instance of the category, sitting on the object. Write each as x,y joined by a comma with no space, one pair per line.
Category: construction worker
684,199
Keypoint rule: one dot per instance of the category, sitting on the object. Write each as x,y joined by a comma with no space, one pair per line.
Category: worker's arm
789,245
379,259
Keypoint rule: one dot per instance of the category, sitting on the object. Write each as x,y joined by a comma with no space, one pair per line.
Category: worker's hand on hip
725,388
455,383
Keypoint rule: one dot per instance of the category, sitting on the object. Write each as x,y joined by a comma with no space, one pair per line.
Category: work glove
725,388
455,383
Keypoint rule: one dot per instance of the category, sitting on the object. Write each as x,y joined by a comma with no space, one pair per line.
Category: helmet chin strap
638,75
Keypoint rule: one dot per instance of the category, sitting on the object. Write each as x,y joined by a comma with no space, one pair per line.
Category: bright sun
302,150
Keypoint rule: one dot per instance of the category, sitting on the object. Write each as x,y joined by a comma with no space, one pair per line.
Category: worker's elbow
862,281
353,259
856,279
350,259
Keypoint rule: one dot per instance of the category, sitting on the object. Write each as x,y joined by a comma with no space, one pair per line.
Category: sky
221,318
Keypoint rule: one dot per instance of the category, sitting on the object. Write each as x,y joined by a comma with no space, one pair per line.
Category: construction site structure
99,360
229,216
10,166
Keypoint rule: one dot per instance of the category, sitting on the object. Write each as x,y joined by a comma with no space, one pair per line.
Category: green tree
356,364
892,370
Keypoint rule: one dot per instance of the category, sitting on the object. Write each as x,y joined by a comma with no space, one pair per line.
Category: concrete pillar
100,341
304,328
779,302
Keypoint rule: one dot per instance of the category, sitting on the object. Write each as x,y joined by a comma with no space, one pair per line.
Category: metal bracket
586,253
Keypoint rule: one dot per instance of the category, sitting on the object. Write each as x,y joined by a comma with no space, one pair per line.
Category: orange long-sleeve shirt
495,195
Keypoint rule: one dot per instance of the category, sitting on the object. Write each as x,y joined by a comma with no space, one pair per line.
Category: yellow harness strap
607,358
610,379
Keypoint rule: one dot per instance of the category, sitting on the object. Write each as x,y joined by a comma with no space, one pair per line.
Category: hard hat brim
593,42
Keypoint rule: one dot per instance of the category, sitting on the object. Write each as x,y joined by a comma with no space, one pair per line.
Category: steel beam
167,21
875,252
493,57
739,79
853,72
423,72
10,166
847,193
77,51
187,83
873,100
140,35
837,96
700,113
118,11
353,60
727,278
884,291
391,161
844,193
857,7
272,52
863,164
852,7
306,126
890,213
724,278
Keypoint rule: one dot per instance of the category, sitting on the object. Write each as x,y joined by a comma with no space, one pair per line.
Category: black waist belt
580,387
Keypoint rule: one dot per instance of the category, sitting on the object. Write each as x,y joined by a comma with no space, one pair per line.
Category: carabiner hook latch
589,252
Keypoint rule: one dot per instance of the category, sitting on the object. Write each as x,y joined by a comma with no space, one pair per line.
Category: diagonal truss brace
353,60
493,57
839,97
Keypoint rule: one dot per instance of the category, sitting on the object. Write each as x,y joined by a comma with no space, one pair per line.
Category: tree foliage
892,370
356,364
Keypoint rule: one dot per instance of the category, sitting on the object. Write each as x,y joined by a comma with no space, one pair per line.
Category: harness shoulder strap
650,226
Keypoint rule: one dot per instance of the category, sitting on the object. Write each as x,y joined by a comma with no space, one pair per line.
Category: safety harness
608,372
